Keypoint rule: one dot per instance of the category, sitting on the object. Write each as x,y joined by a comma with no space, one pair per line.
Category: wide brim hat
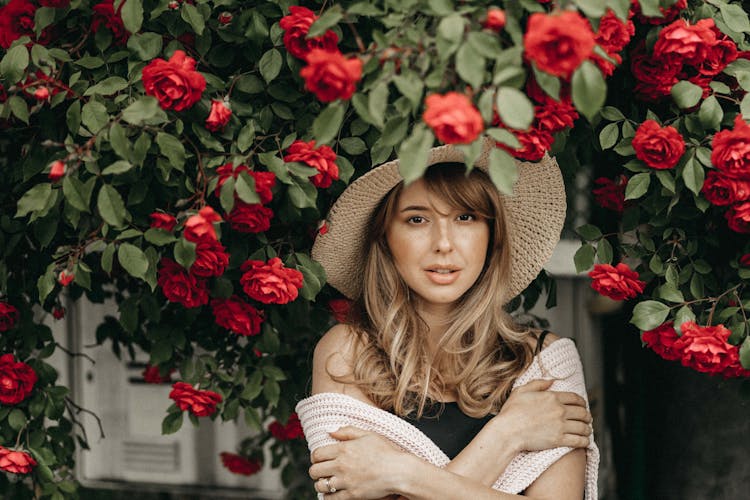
535,213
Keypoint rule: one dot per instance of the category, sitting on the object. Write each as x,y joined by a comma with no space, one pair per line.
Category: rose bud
495,20
225,18
41,94
174,5
58,312
56,171
219,115
65,277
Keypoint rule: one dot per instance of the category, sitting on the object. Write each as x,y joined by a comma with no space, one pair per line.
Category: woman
431,391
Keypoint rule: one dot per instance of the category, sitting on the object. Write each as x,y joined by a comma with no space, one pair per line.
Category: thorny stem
80,409
75,354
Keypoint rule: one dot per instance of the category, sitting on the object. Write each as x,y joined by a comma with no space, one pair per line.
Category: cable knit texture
325,412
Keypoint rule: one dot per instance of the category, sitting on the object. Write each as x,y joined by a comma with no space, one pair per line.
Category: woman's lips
442,278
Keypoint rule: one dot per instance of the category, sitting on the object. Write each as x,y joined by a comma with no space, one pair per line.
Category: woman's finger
328,452
535,385
575,441
322,469
577,413
348,432
330,486
570,398
577,427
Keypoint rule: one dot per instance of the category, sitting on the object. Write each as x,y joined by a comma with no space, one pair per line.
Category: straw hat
535,214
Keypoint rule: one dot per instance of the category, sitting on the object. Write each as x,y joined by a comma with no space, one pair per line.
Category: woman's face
438,250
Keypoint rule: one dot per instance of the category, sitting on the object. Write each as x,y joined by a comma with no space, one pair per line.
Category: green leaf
684,314
612,114
451,28
710,113
75,193
604,251
609,135
119,141
650,8
745,353
686,94
515,109
414,152
17,419
142,110
736,17
73,117
354,145
589,232
592,8
649,314
745,107
146,46
504,136
302,193
111,207
270,65
330,18
193,17
133,260
470,65
589,89
108,86
311,284
245,137
637,186
94,116
244,185
411,86
46,282
118,167
503,170
670,293
327,124
19,108
377,102
272,391
584,258
184,252
171,147
159,237
34,200
172,423
549,83
693,175
485,44
132,15
252,419
14,63
666,179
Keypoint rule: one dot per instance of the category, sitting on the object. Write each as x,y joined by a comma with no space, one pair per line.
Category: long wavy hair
482,351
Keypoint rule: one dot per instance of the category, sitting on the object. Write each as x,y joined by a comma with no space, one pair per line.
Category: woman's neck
437,319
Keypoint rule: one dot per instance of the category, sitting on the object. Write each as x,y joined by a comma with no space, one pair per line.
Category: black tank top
450,428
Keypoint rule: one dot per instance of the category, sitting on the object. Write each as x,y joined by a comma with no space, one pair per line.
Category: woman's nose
443,237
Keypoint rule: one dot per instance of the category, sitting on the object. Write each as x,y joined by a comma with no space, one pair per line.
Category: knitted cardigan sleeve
325,412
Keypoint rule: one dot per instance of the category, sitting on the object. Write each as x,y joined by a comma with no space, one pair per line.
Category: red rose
17,379
239,464
658,147
179,286
558,44
322,159
264,181
723,190
250,217
211,259
236,315
611,193
340,309
201,225
613,35
661,339
104,15
686,42
735,370
58,312
668,14
453,118
705,348
175,83
731,150
16,20
152,375
654,76
160,220
495,19
292,429
296,25
270,282
330,76
9,316
16,462
225,18
617,283
219,116
65,277
535,143
738,217
745,260
718,55
198,402
3,94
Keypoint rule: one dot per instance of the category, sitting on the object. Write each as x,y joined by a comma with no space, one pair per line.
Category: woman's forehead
417,195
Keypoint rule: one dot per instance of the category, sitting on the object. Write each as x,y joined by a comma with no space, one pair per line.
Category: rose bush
178,158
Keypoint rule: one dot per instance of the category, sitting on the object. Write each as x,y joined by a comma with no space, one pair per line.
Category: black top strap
540,341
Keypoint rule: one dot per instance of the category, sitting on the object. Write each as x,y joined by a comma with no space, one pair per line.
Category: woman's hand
537,419
363,465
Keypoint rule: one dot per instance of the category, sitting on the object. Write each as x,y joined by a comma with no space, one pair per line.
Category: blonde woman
431,391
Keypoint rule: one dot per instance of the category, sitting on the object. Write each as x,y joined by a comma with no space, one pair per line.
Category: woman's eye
466,217
416,219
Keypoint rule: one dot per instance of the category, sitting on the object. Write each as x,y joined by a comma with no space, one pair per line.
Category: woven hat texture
535,213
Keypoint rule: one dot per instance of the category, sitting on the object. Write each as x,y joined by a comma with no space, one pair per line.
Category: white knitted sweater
325,412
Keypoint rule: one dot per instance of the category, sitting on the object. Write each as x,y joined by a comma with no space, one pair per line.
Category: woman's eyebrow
415,207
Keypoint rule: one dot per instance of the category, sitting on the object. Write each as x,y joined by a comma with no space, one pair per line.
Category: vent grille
151,457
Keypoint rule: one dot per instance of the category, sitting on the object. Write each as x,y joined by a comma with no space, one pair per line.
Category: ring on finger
330,487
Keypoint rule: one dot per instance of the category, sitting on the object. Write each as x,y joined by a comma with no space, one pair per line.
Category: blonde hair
482,352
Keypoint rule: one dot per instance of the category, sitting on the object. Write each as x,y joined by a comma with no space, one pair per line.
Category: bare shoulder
334,358
549,338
